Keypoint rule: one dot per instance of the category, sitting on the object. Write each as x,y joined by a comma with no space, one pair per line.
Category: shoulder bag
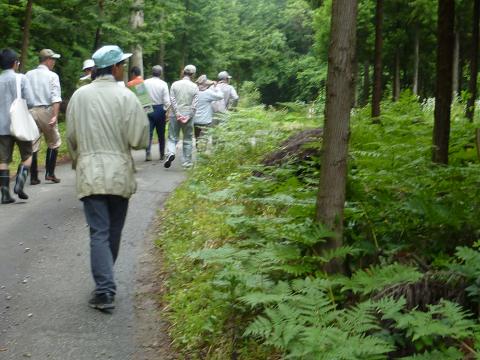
22,125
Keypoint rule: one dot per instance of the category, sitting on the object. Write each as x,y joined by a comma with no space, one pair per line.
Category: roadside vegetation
241,247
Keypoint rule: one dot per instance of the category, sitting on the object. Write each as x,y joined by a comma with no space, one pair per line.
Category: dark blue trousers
157,122
105,216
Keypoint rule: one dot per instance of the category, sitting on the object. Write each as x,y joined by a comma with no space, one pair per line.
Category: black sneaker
105,301
169,160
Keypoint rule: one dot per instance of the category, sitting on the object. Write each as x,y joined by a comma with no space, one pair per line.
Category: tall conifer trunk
472,86
456,63
396,76
136,22
443,97
26,35
377,72
340,84
416,60
98,34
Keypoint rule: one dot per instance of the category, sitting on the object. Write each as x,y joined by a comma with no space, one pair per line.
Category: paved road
45,279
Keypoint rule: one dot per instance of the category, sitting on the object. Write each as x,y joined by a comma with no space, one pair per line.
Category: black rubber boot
50,163
22,175
5,187
34,170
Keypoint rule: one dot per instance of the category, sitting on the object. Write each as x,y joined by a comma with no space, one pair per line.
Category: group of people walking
40,88
190,107
105,122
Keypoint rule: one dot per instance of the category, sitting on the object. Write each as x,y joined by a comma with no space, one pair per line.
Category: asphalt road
45,279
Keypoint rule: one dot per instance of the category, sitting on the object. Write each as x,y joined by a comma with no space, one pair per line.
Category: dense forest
341,220
281,45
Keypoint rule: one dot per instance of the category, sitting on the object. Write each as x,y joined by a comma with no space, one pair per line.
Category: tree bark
396,77
26,35
443,97
366,82
416,61
161,50
472,86
340,83
377,72
456,63
137,22
98,34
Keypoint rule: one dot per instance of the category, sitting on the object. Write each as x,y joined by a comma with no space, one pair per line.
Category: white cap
87,64
223,75
190,69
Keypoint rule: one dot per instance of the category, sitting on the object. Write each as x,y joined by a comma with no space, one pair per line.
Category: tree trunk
355,77
396,77
416,61
377,72
161,50
443,96
26,35
340,83
98,34
136,22
366,82
472,86
456,63
184,56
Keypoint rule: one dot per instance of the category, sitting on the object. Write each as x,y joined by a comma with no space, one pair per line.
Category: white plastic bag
22,125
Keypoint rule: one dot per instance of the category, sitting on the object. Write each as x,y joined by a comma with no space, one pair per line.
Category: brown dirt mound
298,147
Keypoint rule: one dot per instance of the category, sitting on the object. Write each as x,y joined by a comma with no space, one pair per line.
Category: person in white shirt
47,99
230,96
184,99
158,91
204,115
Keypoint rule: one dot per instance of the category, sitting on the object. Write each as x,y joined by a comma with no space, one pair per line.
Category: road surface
45,279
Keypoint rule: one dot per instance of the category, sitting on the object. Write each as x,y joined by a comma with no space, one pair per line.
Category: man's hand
52,121
183,118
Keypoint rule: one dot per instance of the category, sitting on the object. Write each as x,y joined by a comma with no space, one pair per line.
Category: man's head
203,82
189,70
8,59
134,72
157,71
48,57
88,66
110,60
224,76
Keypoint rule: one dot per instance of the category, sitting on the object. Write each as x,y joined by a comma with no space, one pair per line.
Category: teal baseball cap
109,55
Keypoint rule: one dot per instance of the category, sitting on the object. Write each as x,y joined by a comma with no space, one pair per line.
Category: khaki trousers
42,116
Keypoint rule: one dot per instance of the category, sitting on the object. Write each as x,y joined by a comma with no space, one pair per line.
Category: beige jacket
105,121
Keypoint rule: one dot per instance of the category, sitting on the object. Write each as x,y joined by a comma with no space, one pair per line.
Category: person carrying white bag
9,80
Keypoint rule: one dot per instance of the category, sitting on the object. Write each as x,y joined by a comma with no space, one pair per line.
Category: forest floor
45,278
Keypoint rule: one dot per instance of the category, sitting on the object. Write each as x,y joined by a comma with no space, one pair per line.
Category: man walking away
204,114
8,88
158,91
230,96
183,98
135,76
46,106
105,121
88,73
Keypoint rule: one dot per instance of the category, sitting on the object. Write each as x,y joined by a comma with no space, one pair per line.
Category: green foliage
243,252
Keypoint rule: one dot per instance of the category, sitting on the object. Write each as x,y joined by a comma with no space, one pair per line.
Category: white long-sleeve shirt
204,113
158,91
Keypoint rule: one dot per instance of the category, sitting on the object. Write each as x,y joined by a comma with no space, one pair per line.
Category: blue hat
109,55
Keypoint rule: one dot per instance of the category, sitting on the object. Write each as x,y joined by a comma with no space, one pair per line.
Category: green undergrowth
245,280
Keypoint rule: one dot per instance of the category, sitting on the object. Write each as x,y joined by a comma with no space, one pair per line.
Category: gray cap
157,70
203,82
190,69
223,75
